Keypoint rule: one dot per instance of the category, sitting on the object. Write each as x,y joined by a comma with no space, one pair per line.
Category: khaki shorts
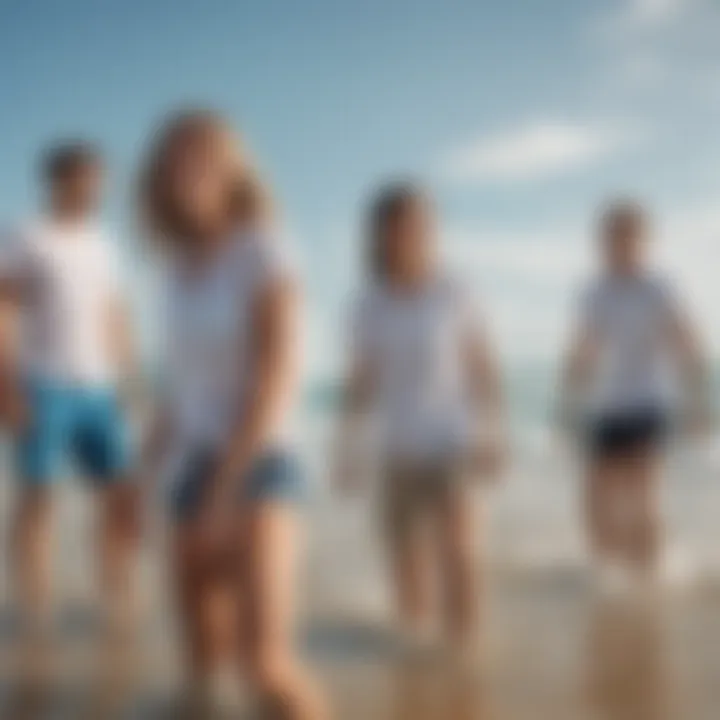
412,493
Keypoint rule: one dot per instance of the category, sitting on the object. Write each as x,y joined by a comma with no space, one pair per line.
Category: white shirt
414,344
210,315
68,277
631,320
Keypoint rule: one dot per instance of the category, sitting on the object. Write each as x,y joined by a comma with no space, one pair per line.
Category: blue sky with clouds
522,115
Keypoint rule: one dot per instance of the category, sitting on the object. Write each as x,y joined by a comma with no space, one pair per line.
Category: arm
688,349
485,379
13,411
575,374
122,349
356,395
159,429
274,382
487,400
14,284
154,446
122,338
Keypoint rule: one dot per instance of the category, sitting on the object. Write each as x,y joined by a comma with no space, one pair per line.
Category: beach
551,646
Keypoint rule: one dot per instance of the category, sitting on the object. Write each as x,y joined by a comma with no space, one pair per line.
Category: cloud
659,50
528,281
644,71
644,17
635,20
545,259
688,243
655,12
533,151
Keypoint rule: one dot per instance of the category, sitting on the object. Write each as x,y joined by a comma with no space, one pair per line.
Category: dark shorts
628,432
274,477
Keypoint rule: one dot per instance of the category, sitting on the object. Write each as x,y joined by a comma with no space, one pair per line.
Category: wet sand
549,650
550,647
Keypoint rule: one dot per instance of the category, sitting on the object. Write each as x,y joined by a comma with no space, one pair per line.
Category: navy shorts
276,476
627,432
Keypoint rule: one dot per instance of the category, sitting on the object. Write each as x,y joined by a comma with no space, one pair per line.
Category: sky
523,117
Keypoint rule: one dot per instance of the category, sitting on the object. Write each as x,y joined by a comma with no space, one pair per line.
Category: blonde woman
232,378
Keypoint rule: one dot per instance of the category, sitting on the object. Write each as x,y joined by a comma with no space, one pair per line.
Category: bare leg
271,535
204,594
460,572
32,552
118,535
601,487
416,693
645,528
412,571
410,556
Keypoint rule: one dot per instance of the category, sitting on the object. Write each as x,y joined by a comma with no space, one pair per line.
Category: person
65,348
231,367
633,351
422,371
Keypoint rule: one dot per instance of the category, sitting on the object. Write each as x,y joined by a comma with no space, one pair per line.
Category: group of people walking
423,375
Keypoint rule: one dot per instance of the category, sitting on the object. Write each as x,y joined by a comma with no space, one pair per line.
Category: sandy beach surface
551,647
549,651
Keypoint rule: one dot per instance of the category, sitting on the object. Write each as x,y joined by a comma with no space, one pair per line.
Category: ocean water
552,651
531,519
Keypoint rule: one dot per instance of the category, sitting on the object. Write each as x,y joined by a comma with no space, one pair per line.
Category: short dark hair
622,214
64,159
386,205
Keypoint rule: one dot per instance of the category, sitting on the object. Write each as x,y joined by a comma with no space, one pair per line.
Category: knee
459,551
118,525
268,670
33,509
460,567
194,566
122,513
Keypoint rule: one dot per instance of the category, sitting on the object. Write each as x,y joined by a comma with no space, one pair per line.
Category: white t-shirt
210,313
414,344
631,319
68,276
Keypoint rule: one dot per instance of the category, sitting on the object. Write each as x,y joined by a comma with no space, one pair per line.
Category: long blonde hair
248,200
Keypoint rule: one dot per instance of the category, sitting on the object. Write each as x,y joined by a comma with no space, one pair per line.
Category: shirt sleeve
272,262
